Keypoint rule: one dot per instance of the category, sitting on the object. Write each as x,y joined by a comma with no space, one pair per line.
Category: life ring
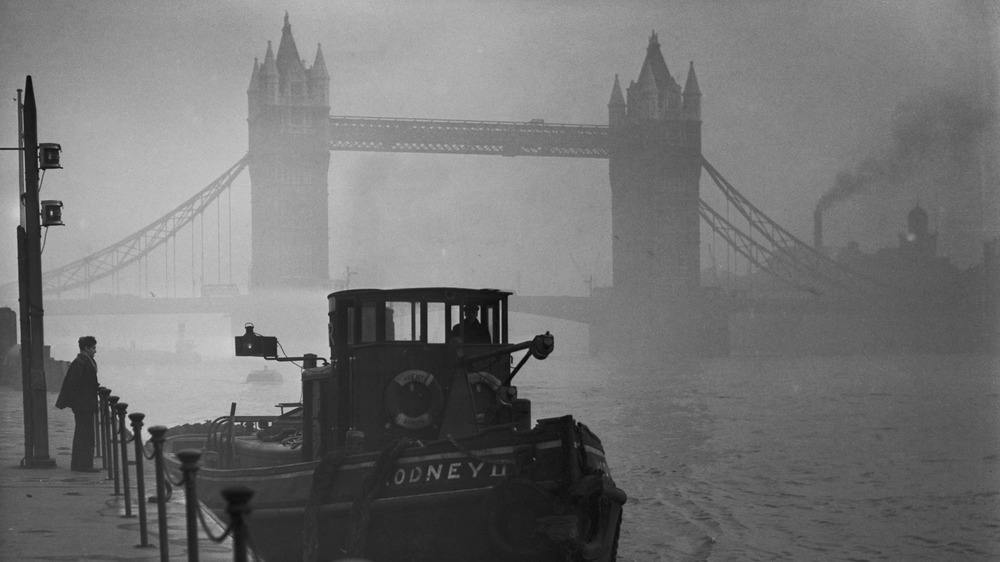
485,390
413,398
483,378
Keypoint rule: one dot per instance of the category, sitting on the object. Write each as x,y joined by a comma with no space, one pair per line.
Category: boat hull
500,494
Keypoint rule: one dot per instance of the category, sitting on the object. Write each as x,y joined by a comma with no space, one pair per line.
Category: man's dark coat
79,389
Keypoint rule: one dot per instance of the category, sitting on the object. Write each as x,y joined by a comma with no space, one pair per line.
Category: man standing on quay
79,392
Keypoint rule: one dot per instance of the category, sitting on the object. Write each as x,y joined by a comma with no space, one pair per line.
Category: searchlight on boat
252,344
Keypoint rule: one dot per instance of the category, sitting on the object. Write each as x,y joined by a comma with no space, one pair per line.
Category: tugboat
411,443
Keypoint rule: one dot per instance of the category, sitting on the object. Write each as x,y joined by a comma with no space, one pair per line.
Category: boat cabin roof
441,294
426,315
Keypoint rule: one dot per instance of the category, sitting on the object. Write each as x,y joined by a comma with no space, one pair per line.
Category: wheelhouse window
361,319
360,325
351,328
368,327
402,321
474,323
437,323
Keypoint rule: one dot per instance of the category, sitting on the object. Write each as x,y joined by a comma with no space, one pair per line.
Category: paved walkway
56,514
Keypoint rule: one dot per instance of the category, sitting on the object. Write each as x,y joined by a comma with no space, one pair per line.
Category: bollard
120,409
238,505
189,465
112,401
140,483
158,432
105,430
99,441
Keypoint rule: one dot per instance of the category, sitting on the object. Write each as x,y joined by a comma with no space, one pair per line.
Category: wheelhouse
411,352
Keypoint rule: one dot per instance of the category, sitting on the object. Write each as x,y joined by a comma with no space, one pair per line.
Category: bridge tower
654,168
288,120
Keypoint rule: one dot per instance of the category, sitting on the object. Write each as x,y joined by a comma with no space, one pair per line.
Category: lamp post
29,252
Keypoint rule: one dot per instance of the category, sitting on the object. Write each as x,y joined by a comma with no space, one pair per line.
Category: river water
884,457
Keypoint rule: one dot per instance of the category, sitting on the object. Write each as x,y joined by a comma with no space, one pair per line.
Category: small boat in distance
412,443
264,376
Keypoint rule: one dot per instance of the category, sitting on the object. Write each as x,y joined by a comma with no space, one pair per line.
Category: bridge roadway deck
444,136
135,305
576,309
56,514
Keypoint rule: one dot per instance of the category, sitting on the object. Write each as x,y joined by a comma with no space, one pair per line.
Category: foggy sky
148,101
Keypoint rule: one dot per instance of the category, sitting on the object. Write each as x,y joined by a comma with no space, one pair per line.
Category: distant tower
918,241
655,168
617,109
289,113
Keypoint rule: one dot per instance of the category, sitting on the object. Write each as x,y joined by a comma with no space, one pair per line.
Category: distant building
913,267
925,303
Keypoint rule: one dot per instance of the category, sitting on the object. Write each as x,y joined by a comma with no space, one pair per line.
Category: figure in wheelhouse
470,329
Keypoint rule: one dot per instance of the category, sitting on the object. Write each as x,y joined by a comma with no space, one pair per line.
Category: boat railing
293,405
220,443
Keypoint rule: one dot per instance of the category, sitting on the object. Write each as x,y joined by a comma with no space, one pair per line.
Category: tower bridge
652,142
653,146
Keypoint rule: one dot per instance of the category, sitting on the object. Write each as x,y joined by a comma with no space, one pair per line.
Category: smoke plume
933,139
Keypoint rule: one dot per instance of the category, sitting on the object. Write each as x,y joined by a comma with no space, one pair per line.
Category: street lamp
52,213
48,155
34,157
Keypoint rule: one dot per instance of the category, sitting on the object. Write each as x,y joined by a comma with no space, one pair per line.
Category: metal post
104,393
22,273
158,432
95,428
112,401
140,483
189,465
120,409
30,294
238,505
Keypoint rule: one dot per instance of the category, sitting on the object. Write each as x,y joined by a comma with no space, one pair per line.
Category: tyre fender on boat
413,398
527,522
514,511
607,499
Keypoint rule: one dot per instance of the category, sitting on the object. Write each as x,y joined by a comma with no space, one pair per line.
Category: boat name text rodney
445,471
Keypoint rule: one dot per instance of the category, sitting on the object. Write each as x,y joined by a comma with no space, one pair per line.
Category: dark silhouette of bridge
653,146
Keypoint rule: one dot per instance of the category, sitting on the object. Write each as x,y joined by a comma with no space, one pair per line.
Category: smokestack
818,229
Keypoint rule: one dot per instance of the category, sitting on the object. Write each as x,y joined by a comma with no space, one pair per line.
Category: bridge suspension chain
759,255
784,255
113,258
